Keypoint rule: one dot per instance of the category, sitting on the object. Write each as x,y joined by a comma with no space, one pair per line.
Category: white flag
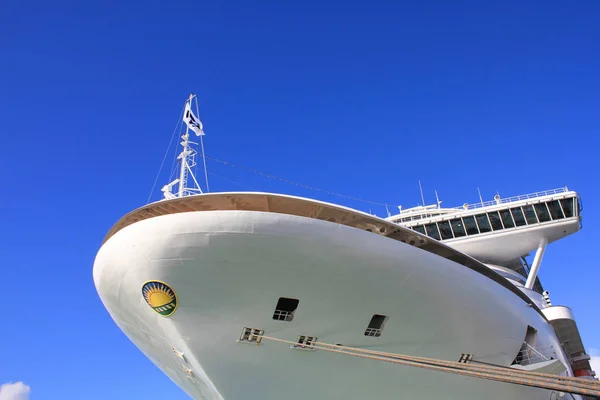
192,121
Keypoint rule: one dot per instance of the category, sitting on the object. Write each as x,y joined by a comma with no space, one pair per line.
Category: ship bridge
499,231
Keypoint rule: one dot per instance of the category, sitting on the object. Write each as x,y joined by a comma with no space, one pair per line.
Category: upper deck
501,230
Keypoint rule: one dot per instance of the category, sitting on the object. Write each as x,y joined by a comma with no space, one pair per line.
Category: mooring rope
496,373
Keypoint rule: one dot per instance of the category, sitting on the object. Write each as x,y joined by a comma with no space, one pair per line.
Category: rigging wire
270,176
202,147
243,185
179,121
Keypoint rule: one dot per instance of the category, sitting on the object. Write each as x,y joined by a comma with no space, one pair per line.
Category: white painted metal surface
229,268
537,262
504,246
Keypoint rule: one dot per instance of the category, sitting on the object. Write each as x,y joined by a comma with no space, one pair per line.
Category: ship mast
187,157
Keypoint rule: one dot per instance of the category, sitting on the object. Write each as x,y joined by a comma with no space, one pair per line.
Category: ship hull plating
229,268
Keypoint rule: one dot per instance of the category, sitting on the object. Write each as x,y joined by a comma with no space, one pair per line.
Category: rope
269,176
495,373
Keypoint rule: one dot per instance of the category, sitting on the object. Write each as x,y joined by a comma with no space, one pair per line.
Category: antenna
480,198
422,198
388,211
437,199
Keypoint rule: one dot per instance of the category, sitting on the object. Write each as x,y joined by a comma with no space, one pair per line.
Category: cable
269,176
165,156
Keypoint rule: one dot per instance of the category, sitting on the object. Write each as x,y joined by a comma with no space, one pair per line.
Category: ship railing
531,355
500,200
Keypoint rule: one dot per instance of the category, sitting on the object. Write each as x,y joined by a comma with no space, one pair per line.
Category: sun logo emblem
160,297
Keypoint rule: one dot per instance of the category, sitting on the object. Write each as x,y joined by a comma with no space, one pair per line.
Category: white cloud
594,361
14,391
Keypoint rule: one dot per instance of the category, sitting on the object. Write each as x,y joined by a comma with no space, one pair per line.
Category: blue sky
357,98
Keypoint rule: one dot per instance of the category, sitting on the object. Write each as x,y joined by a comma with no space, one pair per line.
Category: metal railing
531,355
423,212
499,200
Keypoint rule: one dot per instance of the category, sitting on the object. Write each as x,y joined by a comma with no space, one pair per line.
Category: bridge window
495,220
445,230
498,220
517,214
458,228
567,206
542,212
484,223
555,210
507,219
419,228
432,231
530,215
471,225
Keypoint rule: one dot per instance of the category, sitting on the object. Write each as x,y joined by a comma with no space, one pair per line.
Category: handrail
512,199
425,211
531,355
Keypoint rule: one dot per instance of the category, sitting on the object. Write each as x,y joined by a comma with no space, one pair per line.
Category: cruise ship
250,295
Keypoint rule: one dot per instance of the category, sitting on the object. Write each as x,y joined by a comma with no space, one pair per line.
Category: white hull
229,268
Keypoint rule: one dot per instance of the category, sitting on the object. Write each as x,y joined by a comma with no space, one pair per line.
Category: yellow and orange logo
160,297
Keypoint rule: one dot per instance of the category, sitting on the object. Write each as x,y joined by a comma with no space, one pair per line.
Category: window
507,219
284,310
542,212
375,326
495,220
530,215
567,206
555,210
471,225
419,228
458,227
517,214
445,230
432,231
483,222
